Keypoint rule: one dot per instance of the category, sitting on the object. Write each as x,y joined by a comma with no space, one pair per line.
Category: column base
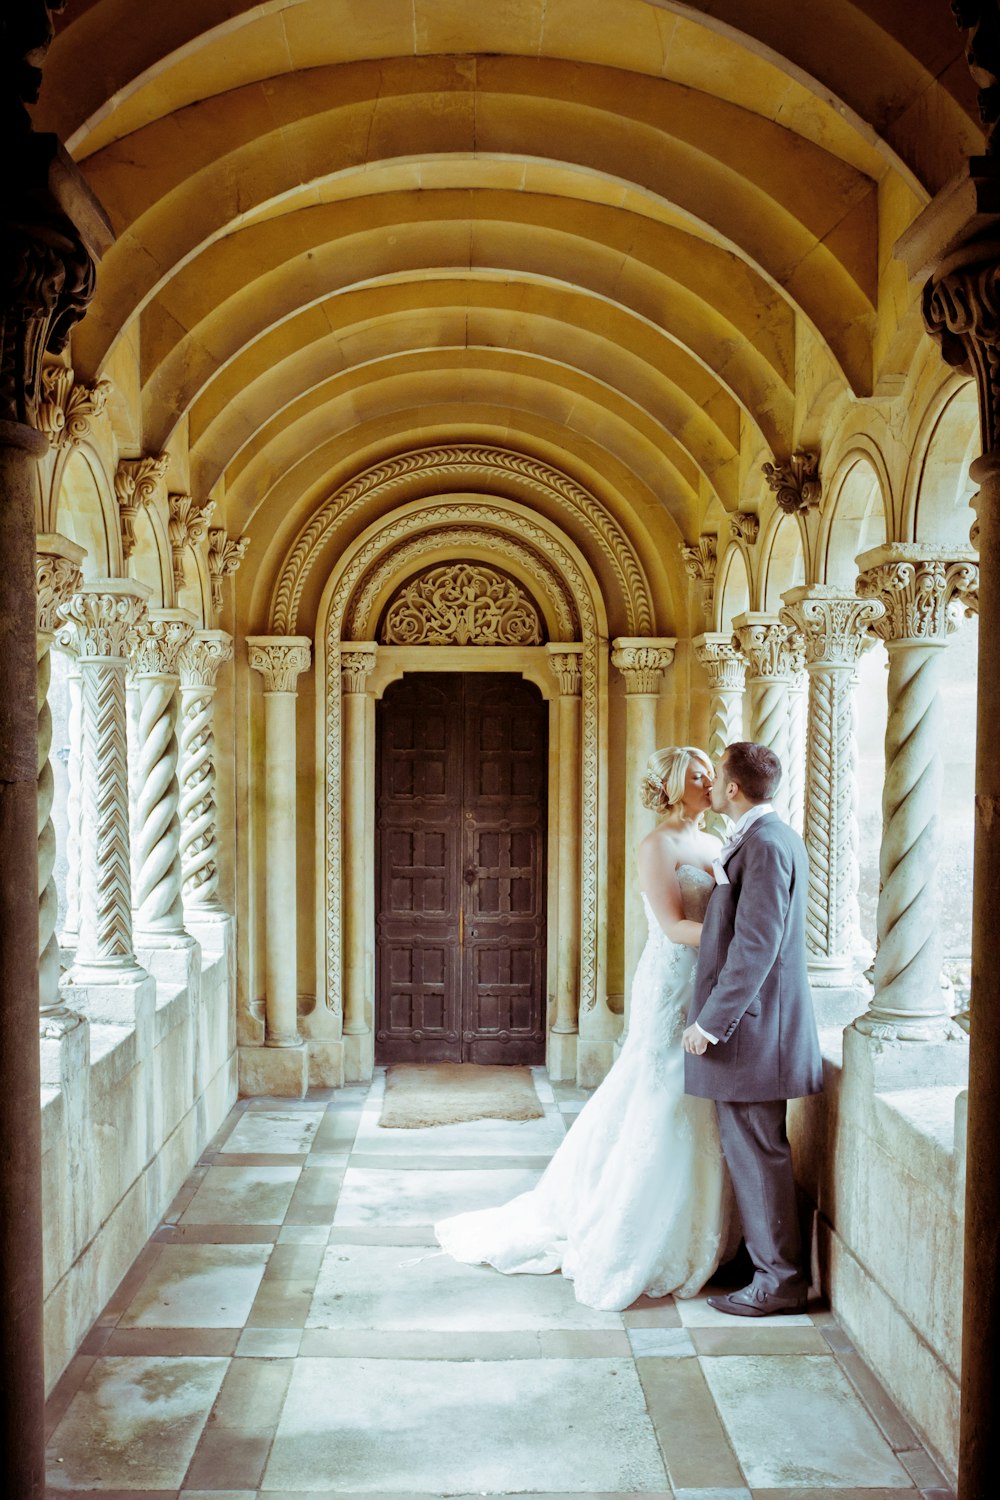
593,1061
560,1059
174,964
105,976
215,912
281,1072
326,1064
839,1004
889,1061
126,1001
359,1057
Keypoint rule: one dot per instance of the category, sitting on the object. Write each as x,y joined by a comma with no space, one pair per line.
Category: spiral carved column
834,627
57,575
726,670
280,660
67,641
159,914
765,643
199,662
641,664
798,719
916,585
106,614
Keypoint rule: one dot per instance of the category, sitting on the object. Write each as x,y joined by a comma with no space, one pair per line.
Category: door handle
470,875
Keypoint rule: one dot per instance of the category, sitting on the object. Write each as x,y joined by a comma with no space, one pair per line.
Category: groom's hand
695,1041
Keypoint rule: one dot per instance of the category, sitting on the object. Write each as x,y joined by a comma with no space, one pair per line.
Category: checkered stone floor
289,1333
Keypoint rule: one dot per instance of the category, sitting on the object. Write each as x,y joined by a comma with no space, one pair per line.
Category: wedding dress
637,1197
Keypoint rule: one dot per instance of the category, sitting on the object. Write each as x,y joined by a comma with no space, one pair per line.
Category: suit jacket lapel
767,817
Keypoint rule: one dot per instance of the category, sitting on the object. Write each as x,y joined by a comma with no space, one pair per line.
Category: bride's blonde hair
662,785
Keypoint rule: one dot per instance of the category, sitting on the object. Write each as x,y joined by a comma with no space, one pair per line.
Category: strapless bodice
696,886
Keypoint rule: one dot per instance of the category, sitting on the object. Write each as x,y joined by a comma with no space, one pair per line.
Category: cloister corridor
289,1331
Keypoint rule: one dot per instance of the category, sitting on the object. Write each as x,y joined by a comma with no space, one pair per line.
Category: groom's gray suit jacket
751,988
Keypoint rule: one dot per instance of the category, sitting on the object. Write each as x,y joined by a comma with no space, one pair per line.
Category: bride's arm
658,879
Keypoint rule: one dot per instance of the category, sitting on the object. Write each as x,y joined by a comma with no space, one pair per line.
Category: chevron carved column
767,646
725,667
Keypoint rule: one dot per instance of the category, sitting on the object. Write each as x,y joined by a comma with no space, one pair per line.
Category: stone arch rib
466,460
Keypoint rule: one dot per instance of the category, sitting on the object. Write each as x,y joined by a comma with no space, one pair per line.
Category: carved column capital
700,561
187,522
224,557
357,662
925,590
723,661
57,578
796,483
642,661
833,626
158,641
104,614
744,526
68,408
136,481
279,659
767,645
200,658
565,661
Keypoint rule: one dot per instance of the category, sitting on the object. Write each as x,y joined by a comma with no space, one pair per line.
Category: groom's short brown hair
755,769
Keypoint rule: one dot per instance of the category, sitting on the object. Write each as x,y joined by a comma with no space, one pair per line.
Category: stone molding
68,409
642,661
796,483
471,463
279,659
58,575
187,522
104,615
834,627
744,526
925,590
158,641
201,656
224,557
461,604
357,662
136,483
565,661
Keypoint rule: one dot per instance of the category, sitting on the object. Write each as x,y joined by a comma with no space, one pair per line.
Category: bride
636,1199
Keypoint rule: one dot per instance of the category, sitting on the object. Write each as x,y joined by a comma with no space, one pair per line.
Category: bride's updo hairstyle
663,781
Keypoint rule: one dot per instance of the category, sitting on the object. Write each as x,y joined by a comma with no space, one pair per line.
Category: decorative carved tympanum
462,604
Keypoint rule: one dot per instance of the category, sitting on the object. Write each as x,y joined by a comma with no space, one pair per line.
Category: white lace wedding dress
637,1197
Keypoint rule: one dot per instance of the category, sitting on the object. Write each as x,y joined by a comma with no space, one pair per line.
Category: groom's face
721,789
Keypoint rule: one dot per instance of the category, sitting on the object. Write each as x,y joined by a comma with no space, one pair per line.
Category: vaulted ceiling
630,238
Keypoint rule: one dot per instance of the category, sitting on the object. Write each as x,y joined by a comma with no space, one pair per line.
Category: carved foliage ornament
136,480
700,560
67,409
105,622
724,663
834,631
356,664
567,670
744,526
962,311
156,646
462,604
279,662
642,667
201,657
224,557
56,580
796,484
982,52
186,524
920,597
767,648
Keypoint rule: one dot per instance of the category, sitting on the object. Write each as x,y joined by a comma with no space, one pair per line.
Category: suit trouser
755,1145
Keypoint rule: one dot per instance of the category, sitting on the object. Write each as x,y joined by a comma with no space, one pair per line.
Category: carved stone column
198,662
565,661
834,628
106,614
357,660
798,714
66,639
159,914
726,670
57,575
641,663
764,642
916,585
280,660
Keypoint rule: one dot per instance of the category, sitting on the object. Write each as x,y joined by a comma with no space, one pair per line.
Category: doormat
421,1094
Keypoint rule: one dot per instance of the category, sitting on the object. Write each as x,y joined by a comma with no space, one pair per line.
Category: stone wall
126,1110
886,1169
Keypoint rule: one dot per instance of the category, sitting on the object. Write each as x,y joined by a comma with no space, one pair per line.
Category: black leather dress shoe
754,1302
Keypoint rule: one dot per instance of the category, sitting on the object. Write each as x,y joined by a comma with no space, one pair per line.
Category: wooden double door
460,878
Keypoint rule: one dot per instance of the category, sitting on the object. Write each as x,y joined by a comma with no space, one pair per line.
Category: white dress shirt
735,838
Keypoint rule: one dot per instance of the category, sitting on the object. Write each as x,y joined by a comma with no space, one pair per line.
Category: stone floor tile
573,1343
482,1427
693,1441
468,1138
287,1290
796,1420
65,1389
696,1313
237,1439
172,1342
652,1312
668,1343
391,1289
337,1130
243,1195
284,1130
898,1432
922,1470
256,1159
198,1286
366,1343
182,1199
218,1495
739,1338
269,1343
315,1197
217,1234
381,1198
303,1234
361,1160
711,1495
134,1424
129,1284
412,1236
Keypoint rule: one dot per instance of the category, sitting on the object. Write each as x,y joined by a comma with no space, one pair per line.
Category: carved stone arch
779,525
81,505
835,553
565,591
736,555
947,441
464,466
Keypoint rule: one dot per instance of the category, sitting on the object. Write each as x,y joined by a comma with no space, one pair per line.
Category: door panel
461,823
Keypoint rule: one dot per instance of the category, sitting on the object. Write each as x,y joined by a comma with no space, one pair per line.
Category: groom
751,1043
